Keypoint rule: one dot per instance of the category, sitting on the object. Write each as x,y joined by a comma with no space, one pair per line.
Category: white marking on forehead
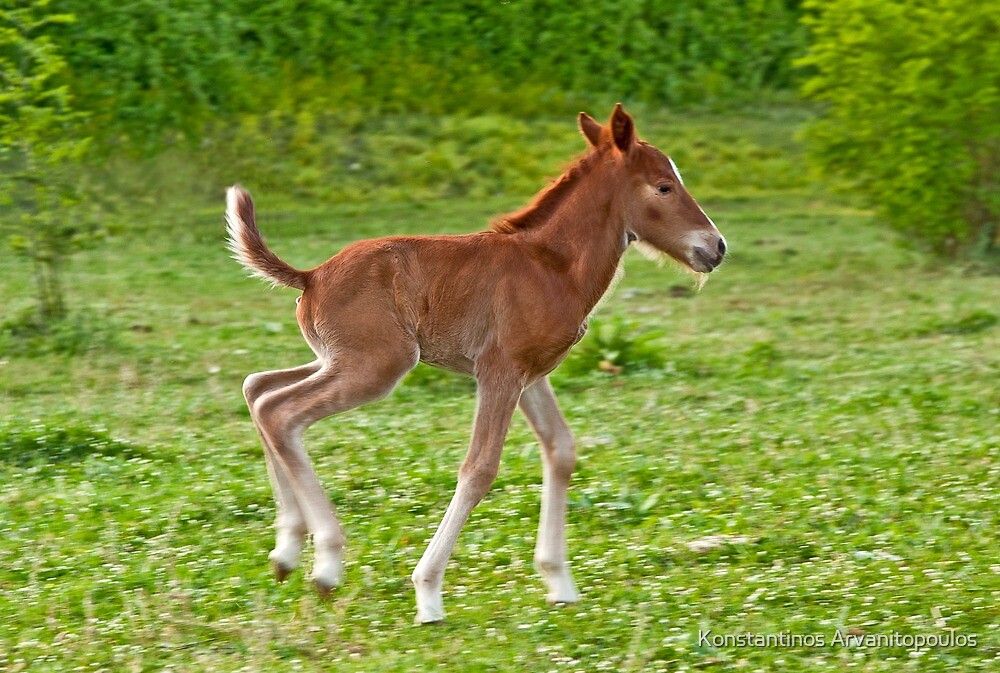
676,171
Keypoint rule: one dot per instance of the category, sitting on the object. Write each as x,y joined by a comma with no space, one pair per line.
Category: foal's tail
248,247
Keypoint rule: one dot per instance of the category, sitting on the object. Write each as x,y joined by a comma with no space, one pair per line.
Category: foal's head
659,211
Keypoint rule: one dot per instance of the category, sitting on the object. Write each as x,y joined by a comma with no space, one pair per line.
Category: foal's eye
663,189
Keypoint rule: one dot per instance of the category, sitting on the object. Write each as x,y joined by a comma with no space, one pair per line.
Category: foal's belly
446,359
535,357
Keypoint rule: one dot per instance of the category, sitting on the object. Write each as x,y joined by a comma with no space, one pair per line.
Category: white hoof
430,611
559,581
430,607
563,596
327,574
284,559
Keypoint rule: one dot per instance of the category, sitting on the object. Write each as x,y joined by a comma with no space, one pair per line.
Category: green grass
829,399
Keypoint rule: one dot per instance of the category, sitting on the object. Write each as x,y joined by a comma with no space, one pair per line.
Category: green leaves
614,346
911,95
160,71
40,141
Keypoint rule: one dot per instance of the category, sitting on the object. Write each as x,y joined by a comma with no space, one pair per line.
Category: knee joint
545,564
273,419
251,389
477,480
561,453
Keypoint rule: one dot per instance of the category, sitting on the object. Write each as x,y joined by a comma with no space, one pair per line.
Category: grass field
829,401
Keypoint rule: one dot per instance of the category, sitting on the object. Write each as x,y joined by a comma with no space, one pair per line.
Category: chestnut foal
504,306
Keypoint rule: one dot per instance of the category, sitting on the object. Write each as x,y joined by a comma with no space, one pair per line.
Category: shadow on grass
80,332
38,443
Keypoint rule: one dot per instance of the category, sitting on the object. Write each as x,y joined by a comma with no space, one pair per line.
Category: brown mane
545,202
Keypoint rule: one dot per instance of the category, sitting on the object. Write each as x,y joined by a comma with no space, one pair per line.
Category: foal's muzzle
708,256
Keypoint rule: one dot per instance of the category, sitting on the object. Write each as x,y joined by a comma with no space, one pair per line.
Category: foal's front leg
538,403
498,397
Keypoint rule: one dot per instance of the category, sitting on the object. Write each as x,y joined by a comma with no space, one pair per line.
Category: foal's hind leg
538,403
290,522
284,414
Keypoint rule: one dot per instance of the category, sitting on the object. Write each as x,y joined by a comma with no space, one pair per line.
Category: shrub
41,146
151,68
614,346
911,96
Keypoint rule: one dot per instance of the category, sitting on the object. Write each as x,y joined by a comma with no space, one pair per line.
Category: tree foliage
911,95
151,65
39,147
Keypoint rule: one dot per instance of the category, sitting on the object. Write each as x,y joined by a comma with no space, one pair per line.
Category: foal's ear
622,128
590,129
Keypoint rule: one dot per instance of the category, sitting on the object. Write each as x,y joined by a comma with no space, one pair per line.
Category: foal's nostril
722,246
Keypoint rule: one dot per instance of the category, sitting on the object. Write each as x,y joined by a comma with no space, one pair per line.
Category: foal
504,306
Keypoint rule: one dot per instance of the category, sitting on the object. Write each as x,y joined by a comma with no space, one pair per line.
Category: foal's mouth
705,261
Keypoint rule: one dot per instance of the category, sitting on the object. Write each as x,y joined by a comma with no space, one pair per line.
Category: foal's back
453,295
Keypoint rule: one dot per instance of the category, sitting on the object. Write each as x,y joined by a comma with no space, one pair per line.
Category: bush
614,346
911,95
152,67
41,147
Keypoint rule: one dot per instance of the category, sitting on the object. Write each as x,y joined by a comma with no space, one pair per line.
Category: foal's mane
547,201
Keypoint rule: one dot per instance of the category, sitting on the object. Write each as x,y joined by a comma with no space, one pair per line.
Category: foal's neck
588,230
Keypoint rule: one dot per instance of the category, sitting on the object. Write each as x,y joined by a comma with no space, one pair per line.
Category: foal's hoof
560,603
561,588
324,588
564,598
429,618
284,559
327,575
429,613
281,571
